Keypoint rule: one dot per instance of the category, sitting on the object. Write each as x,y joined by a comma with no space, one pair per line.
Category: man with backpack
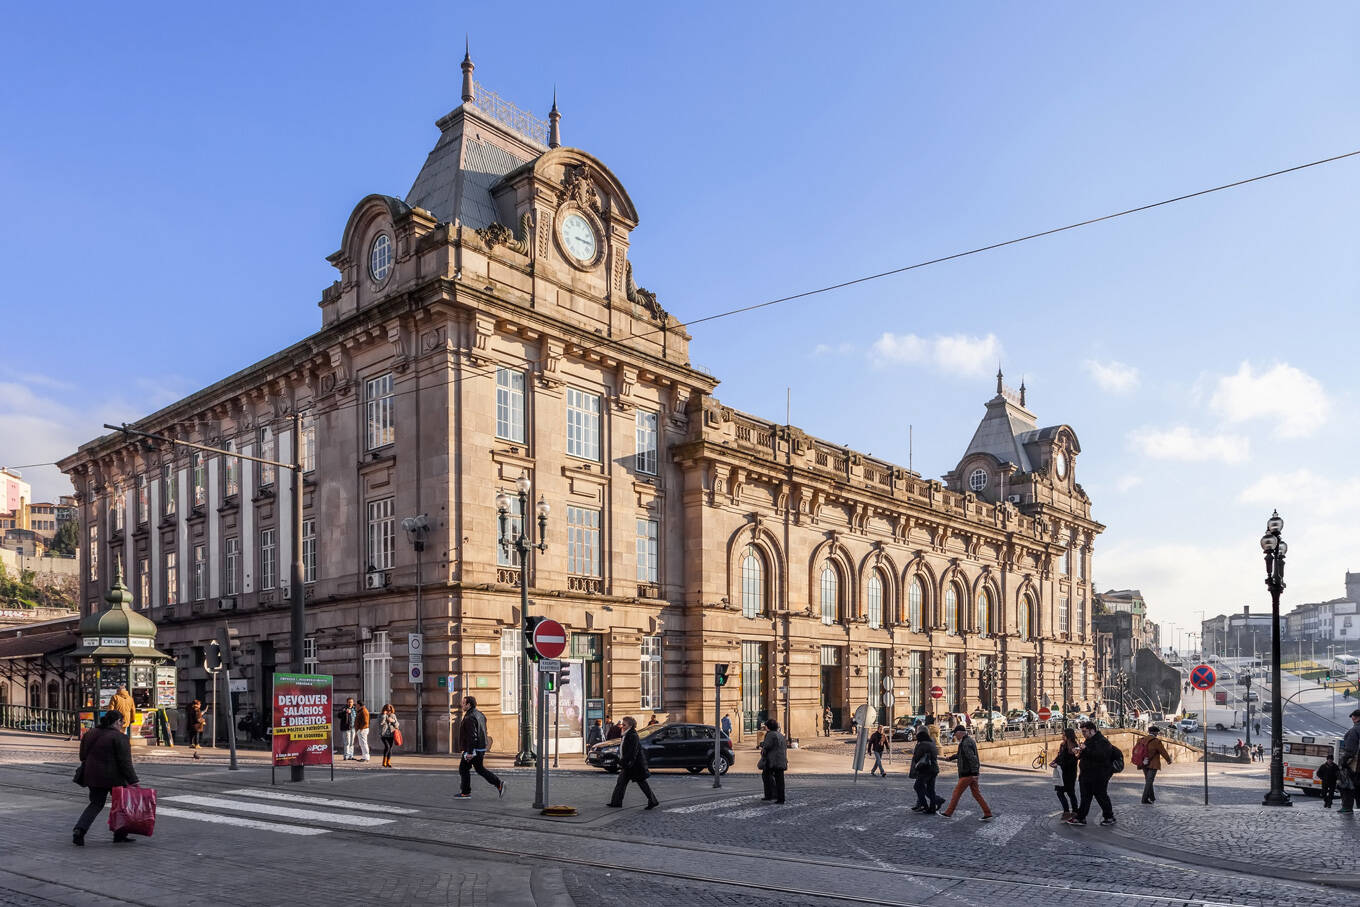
1098,760
1148,755
473,742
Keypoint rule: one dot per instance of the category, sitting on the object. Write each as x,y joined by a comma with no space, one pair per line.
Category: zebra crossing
278,812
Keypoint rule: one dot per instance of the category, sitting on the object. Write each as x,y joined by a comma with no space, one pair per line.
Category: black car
687,746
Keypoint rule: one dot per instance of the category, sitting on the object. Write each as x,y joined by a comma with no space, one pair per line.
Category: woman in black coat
105,763
925,768
632,767
1065,773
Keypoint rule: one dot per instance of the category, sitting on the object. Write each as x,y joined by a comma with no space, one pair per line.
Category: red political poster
302,719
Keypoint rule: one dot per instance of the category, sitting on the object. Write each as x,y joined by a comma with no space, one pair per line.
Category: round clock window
380,257
978,480
1060,465
578,237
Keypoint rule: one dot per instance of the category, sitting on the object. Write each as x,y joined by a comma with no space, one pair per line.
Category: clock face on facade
578,237
1060,464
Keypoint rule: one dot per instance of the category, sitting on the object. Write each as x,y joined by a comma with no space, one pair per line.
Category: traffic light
212,657
720,675
550,682
228,642
564,676
530,623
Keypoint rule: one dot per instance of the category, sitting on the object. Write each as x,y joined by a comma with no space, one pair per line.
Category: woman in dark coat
925,768
632,767
1065,773
195,724
105,763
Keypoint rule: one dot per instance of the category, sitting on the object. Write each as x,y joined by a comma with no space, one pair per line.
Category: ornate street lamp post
1065,679
989,679
519,541
1275,548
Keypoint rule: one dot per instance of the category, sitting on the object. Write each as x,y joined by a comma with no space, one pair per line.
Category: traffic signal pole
719,681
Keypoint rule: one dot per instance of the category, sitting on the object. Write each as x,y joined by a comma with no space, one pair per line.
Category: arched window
875,600
752,583
984,612
830,594
1026,617
915,598
951,610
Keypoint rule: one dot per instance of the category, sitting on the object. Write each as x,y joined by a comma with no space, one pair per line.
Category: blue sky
177,174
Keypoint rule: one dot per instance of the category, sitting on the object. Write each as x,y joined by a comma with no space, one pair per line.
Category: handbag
80,774
1057,775
396,736
134,811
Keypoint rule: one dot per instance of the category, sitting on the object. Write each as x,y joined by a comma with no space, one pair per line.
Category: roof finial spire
468,67
1022,390
554,131
998,379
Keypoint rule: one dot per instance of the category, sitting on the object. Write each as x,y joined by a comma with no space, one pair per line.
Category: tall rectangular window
119,509
309,551
514,525
874,677
1027,683
1065,562
382,531
1064,618
307,450
144,583
200,573
916,683
951,682
269,558
511,653
268,451
143,499
168,488
1081,563
310,663
231,472
171,578
651,672
200,474
754,705
382,429
583,424
94,551
378,669
510,405
647,531
583,541
231,567
646,442
1081,614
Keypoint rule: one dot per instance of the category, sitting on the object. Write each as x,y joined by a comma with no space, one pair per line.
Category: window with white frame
510,405
977,480
1081,563
874,600
268,451
915,683
200,573
984,612
646,442
378,669
1064,619
307,449
1081,614
269,558
310,663
583,424
171,578
1026,617
200,479
511,653
143,499
309,551
506,555
119,509
915,604
168,489
1065,562
231,566
382,532
874,676
583,541
231,472
647,532
144,583
830,594
94,551
951,610
651,672
752,583
378,398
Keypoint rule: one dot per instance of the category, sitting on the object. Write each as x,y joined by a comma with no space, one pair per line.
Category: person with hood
925,768
970,766
1096,759
632,767
774,761
123,704
105,763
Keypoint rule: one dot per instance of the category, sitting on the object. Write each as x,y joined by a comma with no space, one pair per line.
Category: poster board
303,713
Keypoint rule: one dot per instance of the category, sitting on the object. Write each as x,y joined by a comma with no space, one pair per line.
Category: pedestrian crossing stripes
713,805
321,801
238,821
287,814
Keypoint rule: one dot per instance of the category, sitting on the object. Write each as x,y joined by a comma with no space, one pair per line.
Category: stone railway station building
489,327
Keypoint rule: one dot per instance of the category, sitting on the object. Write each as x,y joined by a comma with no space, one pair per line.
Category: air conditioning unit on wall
376,579
226,604
1013,498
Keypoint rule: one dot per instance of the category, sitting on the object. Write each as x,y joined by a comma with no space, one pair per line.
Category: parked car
1252,696
1189,724
1243,679
980,717
904,728
687,746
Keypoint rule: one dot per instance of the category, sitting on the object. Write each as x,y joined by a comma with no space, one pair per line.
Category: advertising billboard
302,719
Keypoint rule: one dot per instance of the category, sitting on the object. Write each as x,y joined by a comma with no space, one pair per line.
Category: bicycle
1041,760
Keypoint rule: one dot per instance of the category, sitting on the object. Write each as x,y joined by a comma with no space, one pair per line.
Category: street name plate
549,665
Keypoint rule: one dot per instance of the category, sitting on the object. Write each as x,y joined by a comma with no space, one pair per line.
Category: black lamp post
1065,678
522,544
1121,685
989,680
1275,548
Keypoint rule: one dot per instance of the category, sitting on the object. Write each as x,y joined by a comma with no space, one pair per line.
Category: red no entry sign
550,638
937,692
1045,713
1203,677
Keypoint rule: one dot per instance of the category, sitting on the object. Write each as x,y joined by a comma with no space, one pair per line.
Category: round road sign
1045,713
937,692
888,700
887,683
1203,677
550,638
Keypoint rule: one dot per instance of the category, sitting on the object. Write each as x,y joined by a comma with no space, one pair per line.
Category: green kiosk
117,648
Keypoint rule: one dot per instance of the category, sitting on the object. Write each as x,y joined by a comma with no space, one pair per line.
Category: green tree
67,540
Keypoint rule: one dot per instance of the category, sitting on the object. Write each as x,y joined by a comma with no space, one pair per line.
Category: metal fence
40,721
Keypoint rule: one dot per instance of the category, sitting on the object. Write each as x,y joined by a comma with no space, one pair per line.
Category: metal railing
40,721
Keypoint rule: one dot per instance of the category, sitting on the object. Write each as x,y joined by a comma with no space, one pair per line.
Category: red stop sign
937,692
1045,713
550,638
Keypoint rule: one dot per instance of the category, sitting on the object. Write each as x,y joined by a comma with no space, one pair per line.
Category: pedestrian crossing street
278,812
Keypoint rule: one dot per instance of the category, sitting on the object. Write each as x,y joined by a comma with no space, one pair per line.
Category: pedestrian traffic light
720,675
550,682
212,657
530,623
564,676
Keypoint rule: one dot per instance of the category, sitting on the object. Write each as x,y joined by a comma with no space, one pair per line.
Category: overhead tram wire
618,342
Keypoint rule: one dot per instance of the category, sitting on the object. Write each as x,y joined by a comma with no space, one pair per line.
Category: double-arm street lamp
989,680
1275,548
520,541
1121,684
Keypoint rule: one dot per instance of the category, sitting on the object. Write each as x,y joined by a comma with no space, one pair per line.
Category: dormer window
977,480
380,257
1060,464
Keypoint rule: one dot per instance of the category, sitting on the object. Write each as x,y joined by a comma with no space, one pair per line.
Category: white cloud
833,349
1128,483
1292,399
1305,488
955,354
1115,377
1181,443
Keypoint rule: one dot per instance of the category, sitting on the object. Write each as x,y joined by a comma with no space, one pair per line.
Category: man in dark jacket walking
1096,760
1327,773
774,761
632,767
105,763
925,767
472,742
1349,776
970,766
